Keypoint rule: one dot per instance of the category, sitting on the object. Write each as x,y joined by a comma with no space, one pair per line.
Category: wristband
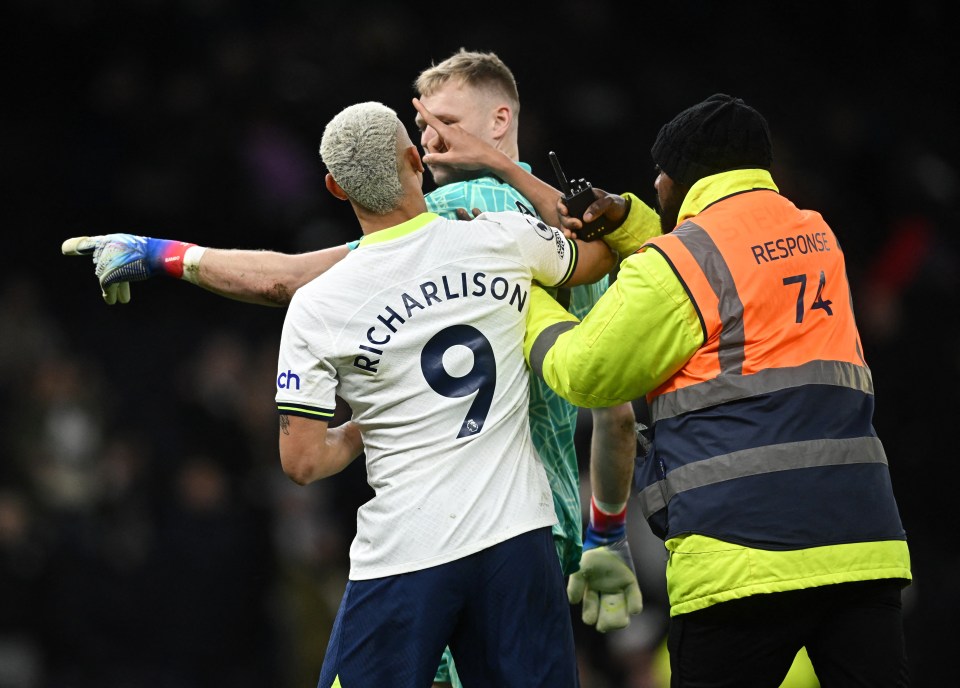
607,525
166,256
191,263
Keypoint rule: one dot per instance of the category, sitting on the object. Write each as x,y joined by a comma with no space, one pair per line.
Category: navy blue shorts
503,611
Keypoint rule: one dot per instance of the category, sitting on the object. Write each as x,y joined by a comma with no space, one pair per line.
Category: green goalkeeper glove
123,258
607,581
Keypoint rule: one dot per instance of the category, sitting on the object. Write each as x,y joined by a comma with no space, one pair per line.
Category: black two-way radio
577,196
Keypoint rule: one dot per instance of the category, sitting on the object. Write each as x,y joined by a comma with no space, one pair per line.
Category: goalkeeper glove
123,258
607,581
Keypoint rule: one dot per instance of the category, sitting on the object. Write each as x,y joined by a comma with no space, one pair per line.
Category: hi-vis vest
764,437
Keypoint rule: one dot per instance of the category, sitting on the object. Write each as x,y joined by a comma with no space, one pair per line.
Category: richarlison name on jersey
430,293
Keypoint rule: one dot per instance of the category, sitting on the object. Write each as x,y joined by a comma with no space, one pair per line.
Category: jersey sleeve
306,381
552,257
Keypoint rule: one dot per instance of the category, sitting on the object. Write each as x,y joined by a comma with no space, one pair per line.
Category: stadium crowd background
148,537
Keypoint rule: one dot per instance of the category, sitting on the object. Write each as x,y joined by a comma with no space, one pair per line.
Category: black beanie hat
721,133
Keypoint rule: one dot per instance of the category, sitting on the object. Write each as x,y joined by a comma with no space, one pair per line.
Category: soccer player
474,93
420,331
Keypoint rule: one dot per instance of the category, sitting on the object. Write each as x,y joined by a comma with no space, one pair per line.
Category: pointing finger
78,246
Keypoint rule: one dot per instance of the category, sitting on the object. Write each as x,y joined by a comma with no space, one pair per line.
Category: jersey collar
711,189
397,231
522,165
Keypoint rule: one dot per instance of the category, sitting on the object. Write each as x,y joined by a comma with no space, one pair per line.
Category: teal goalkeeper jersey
552,419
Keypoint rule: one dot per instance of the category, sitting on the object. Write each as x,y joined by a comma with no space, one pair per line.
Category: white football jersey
420,330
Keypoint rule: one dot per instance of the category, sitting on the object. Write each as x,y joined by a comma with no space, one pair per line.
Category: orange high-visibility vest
765,437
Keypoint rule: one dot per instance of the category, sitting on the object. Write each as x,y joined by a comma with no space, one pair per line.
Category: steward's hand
613,206
606,582
119,259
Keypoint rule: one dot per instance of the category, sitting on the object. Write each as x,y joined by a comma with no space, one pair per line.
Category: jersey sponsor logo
426,294
561,242
287,380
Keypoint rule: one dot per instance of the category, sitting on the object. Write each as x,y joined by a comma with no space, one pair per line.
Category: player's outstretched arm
261,277
466,151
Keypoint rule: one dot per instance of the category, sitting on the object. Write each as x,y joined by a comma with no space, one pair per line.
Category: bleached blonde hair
359,149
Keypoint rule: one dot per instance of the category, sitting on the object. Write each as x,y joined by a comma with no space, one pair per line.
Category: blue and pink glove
607,581
123,258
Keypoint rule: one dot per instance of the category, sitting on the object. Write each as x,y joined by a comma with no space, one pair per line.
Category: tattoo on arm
284,424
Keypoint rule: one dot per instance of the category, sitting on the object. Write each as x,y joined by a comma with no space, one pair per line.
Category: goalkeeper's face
462,105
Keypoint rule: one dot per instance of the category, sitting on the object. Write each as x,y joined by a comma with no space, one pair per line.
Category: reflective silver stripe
768,459
730,388
718,274
544,341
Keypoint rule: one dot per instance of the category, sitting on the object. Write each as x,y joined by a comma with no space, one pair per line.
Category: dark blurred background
148,537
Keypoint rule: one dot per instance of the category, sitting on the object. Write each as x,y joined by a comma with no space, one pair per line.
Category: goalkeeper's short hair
359,148
476,69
